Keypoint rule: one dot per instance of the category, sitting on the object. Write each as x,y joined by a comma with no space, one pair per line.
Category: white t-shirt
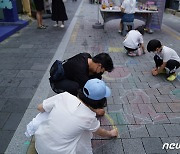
133,39
69,127
129,6
168,53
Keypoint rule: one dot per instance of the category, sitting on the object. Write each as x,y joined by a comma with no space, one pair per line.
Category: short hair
95,104
153,45
140,29
105,60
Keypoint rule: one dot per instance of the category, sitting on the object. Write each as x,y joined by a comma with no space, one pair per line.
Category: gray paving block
175,107
142,85
111,147
24,66
146,108
138,131
165,90
2,102
163,98
117,100
132,146
3,118
39,55
9,73
12,122
153,145
97,145
5,138
123,131
174,117
156,131
30,73
30,82
110,100
175,98
159,118
151,91
10,82
40,60
114,107
142,119
16,105
38,66
128,118
7,66
128,86
161,107
172,129
18,92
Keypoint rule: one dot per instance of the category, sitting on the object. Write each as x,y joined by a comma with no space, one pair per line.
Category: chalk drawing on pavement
178,76
176,92
120,72
115,49
131,61
75,33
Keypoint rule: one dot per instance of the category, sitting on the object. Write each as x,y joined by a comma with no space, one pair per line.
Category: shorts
39,4
129,49
128,18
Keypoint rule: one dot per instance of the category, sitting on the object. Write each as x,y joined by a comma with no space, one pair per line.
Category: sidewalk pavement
144,108
24,58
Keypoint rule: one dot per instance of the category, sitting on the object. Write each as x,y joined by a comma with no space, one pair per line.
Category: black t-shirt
77,69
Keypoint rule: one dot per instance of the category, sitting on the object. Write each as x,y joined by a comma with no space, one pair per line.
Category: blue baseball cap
96,89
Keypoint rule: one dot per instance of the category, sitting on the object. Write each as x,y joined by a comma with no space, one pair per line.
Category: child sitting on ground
133,42
166,59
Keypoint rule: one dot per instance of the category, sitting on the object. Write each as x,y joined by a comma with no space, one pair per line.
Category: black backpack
57,71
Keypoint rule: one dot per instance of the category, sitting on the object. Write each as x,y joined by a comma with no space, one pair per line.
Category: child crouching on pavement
71,120
133,42
166,59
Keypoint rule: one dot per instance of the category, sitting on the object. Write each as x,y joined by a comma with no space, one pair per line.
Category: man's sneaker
171,77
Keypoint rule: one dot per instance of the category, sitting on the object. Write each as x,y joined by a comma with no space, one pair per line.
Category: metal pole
98,25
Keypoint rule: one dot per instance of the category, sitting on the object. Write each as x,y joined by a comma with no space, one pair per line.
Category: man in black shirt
79,69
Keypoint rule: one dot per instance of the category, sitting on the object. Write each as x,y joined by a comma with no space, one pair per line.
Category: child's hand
154,72
114,132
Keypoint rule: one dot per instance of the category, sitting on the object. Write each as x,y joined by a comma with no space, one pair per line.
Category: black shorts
39,4
129,49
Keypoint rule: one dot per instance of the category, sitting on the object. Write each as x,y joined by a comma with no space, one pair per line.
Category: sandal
45,26
41,27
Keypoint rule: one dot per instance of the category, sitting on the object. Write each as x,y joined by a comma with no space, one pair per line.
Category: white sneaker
62,26
56,25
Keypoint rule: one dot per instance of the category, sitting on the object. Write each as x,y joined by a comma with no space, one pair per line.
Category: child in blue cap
71,121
